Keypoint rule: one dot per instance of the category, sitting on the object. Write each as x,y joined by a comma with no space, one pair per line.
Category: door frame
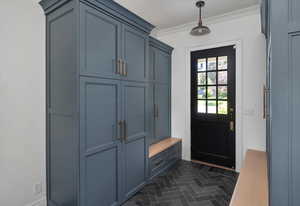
239,148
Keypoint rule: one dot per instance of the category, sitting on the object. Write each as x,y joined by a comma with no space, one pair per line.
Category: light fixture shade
200,30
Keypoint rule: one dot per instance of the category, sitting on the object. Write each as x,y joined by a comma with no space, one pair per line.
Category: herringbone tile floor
188,184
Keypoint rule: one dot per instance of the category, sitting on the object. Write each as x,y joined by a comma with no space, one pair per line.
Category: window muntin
212,85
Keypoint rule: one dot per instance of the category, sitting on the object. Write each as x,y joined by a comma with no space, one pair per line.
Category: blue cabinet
135,54
165,159
162,111
282,26
135,149
97,102
100,43
160,78
100,141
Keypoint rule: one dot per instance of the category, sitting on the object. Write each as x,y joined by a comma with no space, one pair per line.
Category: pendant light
200,29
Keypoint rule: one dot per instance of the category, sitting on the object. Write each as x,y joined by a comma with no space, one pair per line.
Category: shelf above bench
162,146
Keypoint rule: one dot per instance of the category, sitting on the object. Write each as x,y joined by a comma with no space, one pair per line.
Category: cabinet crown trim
108,5
160,45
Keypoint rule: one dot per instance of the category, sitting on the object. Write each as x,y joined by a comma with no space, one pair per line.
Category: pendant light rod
200,4
200,29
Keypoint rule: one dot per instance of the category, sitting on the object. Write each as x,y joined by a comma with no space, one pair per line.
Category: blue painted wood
160,45
135,146
135,53
99,33
160,75
165,160
100,145
62,163
162,67
283,135
151,67
88,161
162,119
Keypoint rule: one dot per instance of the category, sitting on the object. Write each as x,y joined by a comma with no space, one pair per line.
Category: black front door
213,106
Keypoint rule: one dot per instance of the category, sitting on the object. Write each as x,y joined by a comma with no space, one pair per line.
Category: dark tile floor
188,184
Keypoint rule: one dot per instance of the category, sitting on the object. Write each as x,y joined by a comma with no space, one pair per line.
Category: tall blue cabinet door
162,72
162,109
100,39
100,152
135,53
135,134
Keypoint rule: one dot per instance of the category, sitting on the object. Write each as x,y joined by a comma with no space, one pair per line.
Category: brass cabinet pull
121,68
118,67
125,69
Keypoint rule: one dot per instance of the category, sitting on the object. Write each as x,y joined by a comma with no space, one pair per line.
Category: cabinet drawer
173,153
157,162
165,159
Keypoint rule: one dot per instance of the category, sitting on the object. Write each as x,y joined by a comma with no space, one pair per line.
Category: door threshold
212,165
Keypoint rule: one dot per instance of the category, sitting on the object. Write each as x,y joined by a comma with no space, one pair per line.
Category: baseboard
40,202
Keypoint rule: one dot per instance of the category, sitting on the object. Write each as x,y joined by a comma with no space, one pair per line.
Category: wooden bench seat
162,145
252,186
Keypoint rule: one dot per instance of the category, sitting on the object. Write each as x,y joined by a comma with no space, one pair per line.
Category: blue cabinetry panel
162,117
100,43
62,162
162,67
136,131
101,100
160,90
135,51
100,142
101,179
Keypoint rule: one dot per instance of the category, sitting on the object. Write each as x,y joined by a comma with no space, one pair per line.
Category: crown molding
160,45
209,21
109,6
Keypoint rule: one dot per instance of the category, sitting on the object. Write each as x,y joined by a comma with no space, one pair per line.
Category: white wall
22,102
243,27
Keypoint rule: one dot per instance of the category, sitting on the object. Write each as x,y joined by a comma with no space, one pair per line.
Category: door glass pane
211,77
211,92
222,92
202,78
222,107
222,77
212,63
201,106
201,92
222,62
211,107
201,65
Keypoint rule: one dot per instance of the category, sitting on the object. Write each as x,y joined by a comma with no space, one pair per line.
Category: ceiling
168,13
